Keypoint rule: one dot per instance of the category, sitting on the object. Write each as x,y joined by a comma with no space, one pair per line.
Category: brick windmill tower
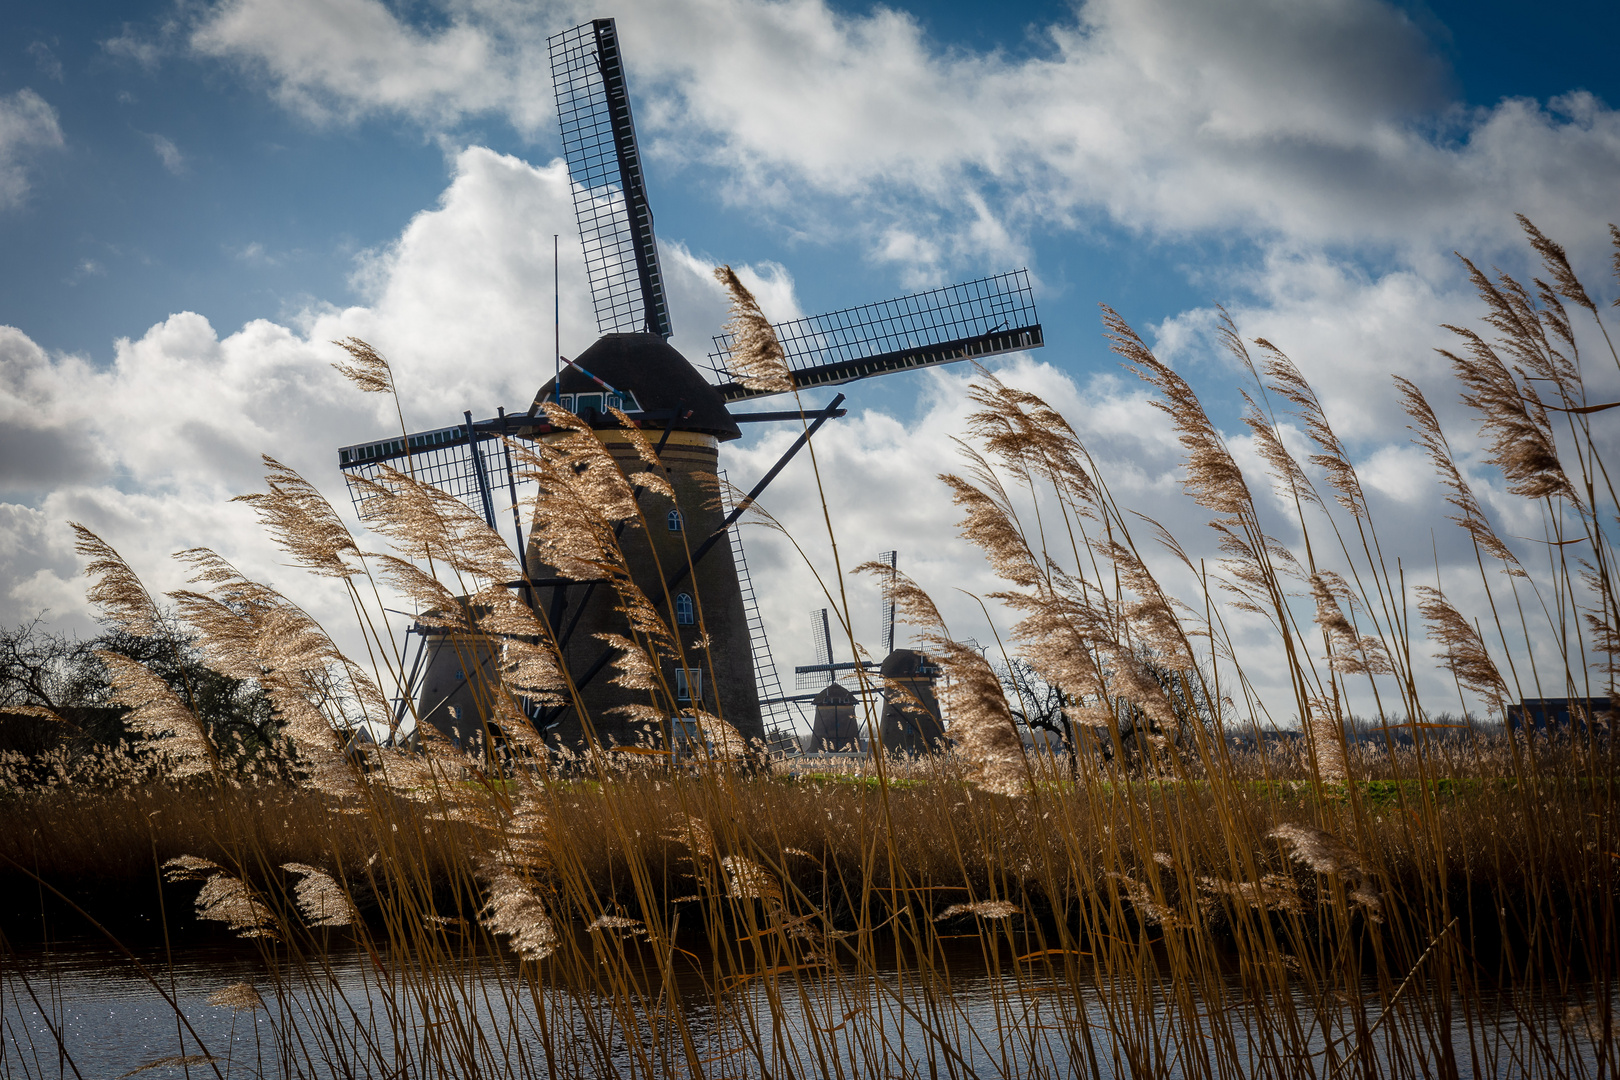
690,566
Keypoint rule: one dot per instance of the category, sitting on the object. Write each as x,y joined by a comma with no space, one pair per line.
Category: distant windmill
632,367
911,719
835,726
825,669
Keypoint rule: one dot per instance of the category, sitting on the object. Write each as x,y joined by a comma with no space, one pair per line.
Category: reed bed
1161,903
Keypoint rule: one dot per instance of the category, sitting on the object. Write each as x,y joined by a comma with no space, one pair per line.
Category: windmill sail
959,322
821,673
610,197
469,461
892,560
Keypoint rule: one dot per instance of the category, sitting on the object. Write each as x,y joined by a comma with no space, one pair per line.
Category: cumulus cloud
28,124
150,448
1325,123
1320,136
336,60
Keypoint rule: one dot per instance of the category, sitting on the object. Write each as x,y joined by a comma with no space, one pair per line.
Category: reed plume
223,897
1464,653
365,367
1022,429
1472,517
322,900
158,716
756,359
238,997
1557,262
115,589
515,912
1213,479
1295,485
1333,458
300,519
1353,653
982,725
1513,420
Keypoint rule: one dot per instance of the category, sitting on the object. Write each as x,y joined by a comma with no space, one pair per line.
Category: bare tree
41,669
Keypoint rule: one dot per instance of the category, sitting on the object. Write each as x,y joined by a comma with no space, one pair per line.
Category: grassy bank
847,842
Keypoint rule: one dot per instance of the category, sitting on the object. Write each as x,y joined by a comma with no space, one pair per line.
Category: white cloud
149,449
1320,134
132,46
27,124
253,252
1324,123
339,59
87,268
168,153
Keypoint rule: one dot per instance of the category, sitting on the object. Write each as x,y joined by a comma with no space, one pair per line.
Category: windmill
632,367
910,721
835,726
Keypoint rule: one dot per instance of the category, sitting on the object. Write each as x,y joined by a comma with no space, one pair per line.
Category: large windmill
632,367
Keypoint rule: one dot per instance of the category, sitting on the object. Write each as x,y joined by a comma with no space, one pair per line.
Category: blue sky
196,196
255,211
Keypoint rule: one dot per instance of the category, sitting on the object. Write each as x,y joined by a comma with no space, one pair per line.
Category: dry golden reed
1180,890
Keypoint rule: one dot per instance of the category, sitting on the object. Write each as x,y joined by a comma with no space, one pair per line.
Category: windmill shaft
748,500
482,475
778,417
618,531
658,599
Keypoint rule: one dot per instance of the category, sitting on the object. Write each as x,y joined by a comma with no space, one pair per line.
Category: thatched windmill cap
908,664
660,378
834,694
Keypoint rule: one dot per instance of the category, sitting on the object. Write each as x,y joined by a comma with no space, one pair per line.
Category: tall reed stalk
1186,895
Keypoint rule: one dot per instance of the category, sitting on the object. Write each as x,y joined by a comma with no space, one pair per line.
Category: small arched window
675,521
684,615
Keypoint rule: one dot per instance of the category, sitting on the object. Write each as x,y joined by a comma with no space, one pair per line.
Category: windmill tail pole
573,364
602,661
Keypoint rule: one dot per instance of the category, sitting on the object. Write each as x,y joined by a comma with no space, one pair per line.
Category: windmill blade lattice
469,461
892,560
958,322
822,671
610,196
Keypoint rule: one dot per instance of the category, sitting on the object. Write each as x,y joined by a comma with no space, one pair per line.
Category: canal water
82,1010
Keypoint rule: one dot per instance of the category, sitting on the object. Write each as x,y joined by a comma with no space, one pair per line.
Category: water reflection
356,1014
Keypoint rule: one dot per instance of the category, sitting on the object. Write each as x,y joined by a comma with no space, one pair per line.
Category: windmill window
683,610
592,402
566,401
630,402
688,684
674,519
